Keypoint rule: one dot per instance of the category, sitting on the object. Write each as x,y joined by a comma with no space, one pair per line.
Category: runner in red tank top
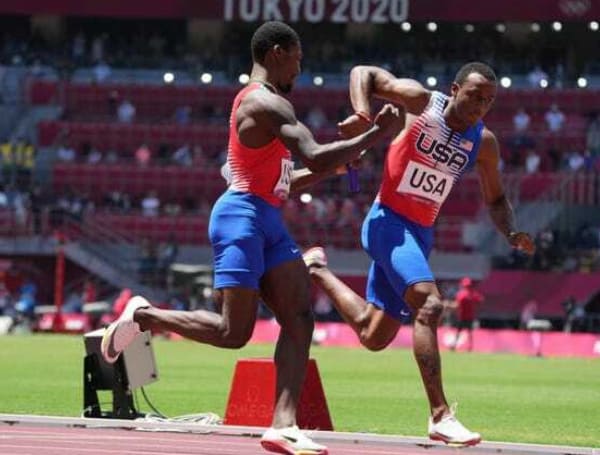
442,136
253,251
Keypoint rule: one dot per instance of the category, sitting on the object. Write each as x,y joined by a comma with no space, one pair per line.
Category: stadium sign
314,11
317,11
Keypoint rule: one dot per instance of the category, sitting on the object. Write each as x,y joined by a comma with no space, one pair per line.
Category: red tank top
424,164
265,171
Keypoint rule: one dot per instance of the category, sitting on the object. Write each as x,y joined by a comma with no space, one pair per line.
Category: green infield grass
505,397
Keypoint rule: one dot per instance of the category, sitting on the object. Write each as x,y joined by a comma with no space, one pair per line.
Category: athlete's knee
374,343
376,334
431,311
234,337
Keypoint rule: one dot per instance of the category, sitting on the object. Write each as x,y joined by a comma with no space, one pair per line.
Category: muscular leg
285,290
374,328
230,329
425,301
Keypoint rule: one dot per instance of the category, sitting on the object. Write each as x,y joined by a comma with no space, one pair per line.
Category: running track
32,435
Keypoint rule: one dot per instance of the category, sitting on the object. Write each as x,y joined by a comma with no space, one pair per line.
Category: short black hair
475,67
270,34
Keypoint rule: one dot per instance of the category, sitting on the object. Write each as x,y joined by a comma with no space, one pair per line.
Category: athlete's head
276,46
474,90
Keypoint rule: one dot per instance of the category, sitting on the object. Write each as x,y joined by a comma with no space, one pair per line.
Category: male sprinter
253,252
442,137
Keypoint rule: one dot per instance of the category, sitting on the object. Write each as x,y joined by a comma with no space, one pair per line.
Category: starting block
252,396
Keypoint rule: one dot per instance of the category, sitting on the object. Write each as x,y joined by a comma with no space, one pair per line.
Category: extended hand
388,117
353,126
522,242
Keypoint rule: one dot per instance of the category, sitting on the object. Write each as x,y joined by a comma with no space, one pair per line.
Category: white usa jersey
424,164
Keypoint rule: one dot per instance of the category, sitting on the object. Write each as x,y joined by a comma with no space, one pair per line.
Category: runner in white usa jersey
443,136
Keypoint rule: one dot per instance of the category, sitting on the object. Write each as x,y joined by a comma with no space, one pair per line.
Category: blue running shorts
248,239
399,249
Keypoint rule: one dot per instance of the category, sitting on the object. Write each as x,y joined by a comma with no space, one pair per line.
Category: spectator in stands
66,153
73,303
316,118
91,154
545,254
574,315
172,208
579,318
148,260
575,161
183,115
182,156
112,156
101,71
466,304
78,48
593,137
97,48
27,300
559,76
113,103
521,121
536,76
118,201
532,161
555,119
143,155
151,204
37,207
167,254
126,112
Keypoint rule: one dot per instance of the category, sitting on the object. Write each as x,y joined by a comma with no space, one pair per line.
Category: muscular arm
500,208
280,118
368,81
303,178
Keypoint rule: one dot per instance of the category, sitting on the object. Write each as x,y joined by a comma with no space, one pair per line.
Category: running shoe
315,256
290,441
119,334
451,431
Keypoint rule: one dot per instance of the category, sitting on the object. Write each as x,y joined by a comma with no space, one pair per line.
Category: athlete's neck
452,121
259,74
268,85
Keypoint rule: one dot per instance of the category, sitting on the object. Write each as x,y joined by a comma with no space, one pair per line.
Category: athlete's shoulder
268,107
489,149
489,141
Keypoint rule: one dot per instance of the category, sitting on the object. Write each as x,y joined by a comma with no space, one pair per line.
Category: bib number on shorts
425,182
282,188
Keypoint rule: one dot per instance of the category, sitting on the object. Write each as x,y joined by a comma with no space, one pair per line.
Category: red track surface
35,440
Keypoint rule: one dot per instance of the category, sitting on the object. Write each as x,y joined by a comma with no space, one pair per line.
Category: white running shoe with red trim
120,333
451,431
290,441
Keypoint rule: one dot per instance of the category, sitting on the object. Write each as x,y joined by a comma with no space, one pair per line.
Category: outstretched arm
281,119
500,209
304,178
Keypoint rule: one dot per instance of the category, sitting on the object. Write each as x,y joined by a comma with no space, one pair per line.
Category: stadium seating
88,119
